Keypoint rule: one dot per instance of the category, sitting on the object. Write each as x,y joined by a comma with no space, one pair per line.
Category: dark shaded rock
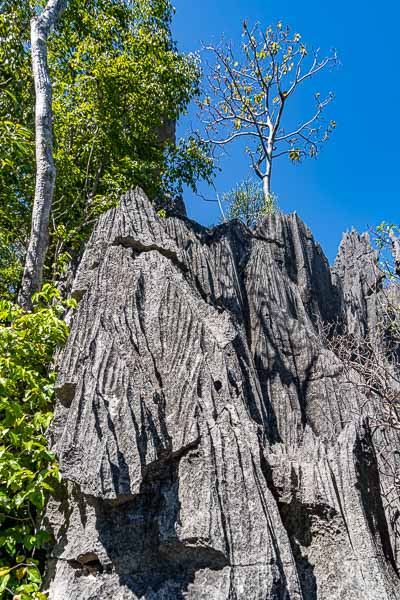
214,447
172,207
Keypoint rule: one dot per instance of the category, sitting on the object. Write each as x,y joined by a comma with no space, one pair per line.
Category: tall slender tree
45,169
250,90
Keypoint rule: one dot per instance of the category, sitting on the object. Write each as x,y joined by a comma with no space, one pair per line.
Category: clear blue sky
355,180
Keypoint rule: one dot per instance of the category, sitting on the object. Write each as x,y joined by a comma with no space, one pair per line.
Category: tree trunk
45,169
267,187
268,172
395,251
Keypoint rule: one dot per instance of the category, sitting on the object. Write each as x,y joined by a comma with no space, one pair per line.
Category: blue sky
354,181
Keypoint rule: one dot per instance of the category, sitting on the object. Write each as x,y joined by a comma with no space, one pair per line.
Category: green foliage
15,148
246,202
28,471
119,84
384,229
16,143
187,162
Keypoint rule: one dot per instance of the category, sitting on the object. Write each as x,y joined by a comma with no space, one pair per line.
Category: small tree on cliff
249,93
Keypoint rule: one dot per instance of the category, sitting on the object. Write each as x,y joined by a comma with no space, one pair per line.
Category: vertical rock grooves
211,444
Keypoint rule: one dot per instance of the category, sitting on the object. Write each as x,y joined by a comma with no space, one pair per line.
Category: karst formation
212,444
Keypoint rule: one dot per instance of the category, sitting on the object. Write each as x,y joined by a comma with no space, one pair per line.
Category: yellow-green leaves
250,99
295,154
274,48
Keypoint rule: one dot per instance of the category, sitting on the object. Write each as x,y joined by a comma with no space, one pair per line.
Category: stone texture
212,445
358,282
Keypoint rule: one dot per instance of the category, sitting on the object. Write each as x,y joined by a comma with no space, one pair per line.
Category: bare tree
375,356
372,364
45,170
249,92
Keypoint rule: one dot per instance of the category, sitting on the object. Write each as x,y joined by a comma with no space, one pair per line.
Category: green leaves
246,202
111,61
16,141
28,471
187,162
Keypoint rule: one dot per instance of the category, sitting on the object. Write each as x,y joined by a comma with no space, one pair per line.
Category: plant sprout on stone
246,202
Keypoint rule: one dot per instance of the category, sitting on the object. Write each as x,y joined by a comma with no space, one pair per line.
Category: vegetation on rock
246,202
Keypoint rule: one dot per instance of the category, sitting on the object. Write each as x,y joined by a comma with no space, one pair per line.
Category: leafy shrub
246,202
28,471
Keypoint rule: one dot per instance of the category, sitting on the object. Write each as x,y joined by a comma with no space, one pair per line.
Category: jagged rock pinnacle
212,445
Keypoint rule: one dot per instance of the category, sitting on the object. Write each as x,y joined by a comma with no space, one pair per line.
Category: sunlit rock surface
213,446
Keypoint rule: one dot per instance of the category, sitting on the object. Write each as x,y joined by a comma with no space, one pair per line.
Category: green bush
28,471
246,202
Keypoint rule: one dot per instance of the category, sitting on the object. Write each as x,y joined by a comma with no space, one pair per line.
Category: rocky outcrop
358,281
211,444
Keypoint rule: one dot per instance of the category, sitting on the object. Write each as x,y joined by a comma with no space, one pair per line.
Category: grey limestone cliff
211,444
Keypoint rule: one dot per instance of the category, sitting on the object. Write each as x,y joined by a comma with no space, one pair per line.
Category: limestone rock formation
212,446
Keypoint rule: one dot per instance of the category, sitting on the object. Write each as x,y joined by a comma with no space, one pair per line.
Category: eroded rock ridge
213,445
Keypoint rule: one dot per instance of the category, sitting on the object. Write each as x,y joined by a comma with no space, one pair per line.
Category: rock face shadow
139,537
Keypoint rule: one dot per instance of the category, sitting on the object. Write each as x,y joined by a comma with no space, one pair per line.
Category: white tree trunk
267,182
45,169
395,251
268,171
266,187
